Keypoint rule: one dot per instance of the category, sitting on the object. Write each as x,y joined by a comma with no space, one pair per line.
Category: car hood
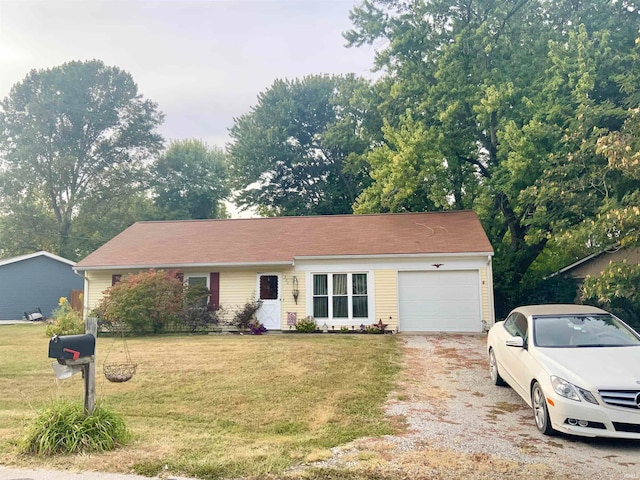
594,367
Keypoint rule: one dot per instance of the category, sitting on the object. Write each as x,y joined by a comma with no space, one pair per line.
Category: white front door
268,289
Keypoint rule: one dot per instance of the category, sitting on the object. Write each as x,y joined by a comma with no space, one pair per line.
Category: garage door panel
447,301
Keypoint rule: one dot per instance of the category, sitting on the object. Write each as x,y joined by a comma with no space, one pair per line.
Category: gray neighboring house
37,280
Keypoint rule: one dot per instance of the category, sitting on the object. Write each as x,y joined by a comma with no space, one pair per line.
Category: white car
577,366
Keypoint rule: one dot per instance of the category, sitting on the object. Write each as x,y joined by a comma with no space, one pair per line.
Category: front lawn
210,406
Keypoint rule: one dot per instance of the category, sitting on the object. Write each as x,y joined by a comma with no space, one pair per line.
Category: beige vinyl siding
288,303
484,297
386,297
237,288
99,281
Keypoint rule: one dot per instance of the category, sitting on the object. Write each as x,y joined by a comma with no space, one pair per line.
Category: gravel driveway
459,425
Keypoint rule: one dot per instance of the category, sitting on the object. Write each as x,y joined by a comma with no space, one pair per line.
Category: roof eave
172,266
393,255
21,258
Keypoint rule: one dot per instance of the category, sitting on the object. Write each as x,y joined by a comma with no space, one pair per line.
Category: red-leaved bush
145,302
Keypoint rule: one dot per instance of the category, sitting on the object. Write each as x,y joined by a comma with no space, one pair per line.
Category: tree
190,181
28,226
620,221
71,134
618,290
296,152
497,106
101,219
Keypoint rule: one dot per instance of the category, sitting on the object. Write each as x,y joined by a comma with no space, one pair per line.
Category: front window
193,281
360,299
320,296
340,296
199,284
595,330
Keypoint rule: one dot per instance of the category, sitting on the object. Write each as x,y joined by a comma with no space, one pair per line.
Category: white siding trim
41,253
392,255
395,263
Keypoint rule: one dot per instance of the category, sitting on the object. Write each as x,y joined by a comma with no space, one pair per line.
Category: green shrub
196,313
65,428
377,327
306,325
65,320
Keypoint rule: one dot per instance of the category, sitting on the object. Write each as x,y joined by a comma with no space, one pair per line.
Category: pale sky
204,62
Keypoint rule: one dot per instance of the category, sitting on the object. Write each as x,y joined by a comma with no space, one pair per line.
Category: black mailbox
71,347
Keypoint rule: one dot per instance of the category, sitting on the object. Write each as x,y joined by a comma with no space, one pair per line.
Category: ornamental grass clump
66,428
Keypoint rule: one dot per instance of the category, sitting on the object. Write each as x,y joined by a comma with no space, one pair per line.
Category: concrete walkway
29,474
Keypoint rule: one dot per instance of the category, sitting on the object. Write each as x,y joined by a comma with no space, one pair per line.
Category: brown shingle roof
281,239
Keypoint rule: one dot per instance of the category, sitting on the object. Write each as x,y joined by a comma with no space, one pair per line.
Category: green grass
65,427
211,406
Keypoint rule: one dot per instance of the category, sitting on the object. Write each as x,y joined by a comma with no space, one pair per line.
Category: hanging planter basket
119,372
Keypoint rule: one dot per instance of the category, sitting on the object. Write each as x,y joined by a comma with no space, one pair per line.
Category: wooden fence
76,301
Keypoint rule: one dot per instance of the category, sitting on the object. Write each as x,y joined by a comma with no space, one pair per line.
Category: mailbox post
78,351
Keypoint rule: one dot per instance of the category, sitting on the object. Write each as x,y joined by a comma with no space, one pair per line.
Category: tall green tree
100,220
28,227
74,133
190,181
498,106
297,151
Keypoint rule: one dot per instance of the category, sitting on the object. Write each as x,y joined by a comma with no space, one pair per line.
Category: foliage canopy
293,153
189,180
71,135
499,107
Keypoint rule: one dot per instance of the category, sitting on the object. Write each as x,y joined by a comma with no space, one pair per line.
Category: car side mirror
515,342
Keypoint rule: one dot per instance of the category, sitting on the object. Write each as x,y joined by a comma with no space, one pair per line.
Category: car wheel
540,410
493,369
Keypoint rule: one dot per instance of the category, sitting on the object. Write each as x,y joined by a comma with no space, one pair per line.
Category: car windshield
594,330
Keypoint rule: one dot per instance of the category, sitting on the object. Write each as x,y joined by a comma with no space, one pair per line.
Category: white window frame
196,275
350,319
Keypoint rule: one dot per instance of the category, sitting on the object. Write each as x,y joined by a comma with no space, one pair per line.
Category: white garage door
440,301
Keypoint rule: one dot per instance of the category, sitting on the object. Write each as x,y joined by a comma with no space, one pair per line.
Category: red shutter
214,287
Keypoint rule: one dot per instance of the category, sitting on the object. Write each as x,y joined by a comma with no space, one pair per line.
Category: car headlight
587,395
572,392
